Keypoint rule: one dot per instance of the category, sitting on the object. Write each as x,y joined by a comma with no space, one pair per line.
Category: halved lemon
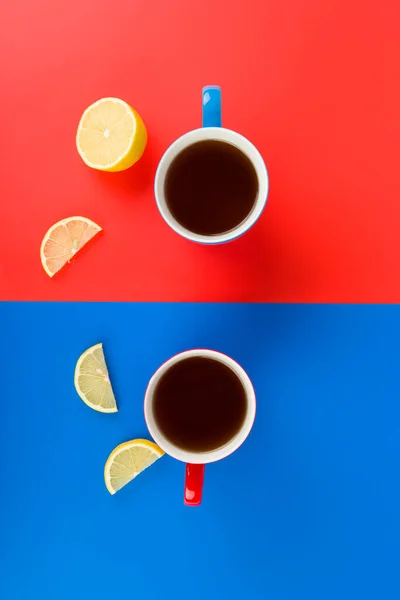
127,460
63,240
92,381
111,135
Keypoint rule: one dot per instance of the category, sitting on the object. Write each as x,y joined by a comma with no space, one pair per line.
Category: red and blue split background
307,302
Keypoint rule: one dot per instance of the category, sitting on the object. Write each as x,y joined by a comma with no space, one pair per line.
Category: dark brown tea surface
211,187
199,404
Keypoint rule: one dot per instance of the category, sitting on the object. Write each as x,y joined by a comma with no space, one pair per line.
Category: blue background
308,508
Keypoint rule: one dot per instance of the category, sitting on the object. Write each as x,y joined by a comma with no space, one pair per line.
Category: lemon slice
63,240
128,460
92,381
111,135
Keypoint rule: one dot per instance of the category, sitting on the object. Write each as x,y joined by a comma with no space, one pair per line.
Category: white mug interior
212,455
230,137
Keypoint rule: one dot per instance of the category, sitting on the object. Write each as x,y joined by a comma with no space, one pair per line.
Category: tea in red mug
199,407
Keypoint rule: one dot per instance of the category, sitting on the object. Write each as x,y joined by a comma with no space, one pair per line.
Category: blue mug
212,130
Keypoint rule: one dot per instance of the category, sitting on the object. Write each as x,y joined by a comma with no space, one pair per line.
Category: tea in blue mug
211,184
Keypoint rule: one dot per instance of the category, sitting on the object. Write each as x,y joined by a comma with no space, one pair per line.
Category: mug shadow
267,264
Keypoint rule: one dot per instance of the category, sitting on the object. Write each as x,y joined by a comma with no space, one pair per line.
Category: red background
315,85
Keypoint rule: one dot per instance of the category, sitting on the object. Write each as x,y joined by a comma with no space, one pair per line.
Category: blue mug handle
211,113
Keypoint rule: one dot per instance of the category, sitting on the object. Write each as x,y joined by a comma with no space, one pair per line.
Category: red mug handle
194,484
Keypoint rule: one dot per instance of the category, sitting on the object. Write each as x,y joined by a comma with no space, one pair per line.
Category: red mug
196,461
